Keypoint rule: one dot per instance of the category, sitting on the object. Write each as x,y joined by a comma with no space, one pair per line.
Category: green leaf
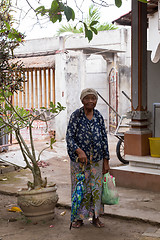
144,1
60,107
7,107
40,9
73,15
59,15
85,26
54,18
51,142
88,33
19,39
8,94
7,25
61,6
68,13
14,35
10,35
3,30
94,30
2,99
118,3
93,23
52,105
54,6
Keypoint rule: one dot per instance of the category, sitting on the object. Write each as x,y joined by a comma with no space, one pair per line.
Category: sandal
77,224
97,223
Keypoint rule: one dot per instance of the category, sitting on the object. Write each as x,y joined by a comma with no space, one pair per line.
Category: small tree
14,119
10,38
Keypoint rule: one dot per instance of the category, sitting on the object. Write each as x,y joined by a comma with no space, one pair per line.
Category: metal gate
38,90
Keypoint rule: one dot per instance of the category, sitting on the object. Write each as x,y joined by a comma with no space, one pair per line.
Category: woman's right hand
81,155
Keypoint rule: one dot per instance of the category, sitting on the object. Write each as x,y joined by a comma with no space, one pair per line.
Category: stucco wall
75,71
60,95
154,37
124,105
74,76
154,91
96,77
124,70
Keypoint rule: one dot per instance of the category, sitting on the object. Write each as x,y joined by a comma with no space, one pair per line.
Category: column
136,139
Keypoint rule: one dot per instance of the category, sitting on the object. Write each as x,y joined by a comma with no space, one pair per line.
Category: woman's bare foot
77,224
97,223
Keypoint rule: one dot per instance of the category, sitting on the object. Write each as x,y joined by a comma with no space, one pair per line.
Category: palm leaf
93,15
69,28
106,26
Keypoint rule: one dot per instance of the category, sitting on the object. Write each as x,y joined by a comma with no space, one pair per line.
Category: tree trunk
37,178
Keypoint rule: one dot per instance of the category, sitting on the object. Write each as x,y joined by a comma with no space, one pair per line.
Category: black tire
120,151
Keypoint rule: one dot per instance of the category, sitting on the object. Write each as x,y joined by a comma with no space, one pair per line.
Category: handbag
109,192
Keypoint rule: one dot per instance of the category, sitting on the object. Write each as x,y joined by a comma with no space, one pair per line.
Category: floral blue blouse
87,135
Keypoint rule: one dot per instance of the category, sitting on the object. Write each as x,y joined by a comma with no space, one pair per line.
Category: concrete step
5,167
137,177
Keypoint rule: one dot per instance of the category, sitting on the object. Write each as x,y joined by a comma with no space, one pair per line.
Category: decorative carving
138,115
23,201
38,204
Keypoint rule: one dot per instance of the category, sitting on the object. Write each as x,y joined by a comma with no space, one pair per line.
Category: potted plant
14,119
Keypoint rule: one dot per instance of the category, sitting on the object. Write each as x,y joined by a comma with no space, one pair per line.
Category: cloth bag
109,192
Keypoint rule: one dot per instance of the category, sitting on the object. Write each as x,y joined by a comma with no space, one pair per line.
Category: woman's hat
88,91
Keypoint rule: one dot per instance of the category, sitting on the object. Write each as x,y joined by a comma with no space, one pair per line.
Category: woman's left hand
105,166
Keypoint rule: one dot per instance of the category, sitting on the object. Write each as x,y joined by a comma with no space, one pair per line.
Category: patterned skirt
91,203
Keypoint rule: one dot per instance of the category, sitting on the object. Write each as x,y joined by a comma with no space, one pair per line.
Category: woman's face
89,101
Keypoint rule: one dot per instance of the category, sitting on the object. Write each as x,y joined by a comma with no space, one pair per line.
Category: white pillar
60,92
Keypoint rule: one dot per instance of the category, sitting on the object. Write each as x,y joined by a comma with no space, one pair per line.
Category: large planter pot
38,204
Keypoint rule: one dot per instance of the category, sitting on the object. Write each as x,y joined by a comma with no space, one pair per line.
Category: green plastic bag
109,191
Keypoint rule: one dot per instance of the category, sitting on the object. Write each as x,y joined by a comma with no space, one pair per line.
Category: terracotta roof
152,7
37,62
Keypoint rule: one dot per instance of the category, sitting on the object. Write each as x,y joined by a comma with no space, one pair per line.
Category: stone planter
39,204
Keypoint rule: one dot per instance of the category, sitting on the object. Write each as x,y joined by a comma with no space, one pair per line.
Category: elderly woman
87,141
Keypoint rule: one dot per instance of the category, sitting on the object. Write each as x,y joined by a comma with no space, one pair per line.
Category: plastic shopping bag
109,191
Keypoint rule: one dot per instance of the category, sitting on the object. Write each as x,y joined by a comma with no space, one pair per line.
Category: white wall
60,95
124,105
74,77
154,38
38,46
124,69
154,91
96,77
75,71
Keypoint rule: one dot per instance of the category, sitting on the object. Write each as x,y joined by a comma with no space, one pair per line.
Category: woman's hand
81,155
105,166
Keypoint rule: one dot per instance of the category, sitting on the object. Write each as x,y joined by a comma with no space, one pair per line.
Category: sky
32,30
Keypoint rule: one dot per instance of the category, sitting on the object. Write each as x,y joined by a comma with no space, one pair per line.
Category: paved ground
136,209
14,227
